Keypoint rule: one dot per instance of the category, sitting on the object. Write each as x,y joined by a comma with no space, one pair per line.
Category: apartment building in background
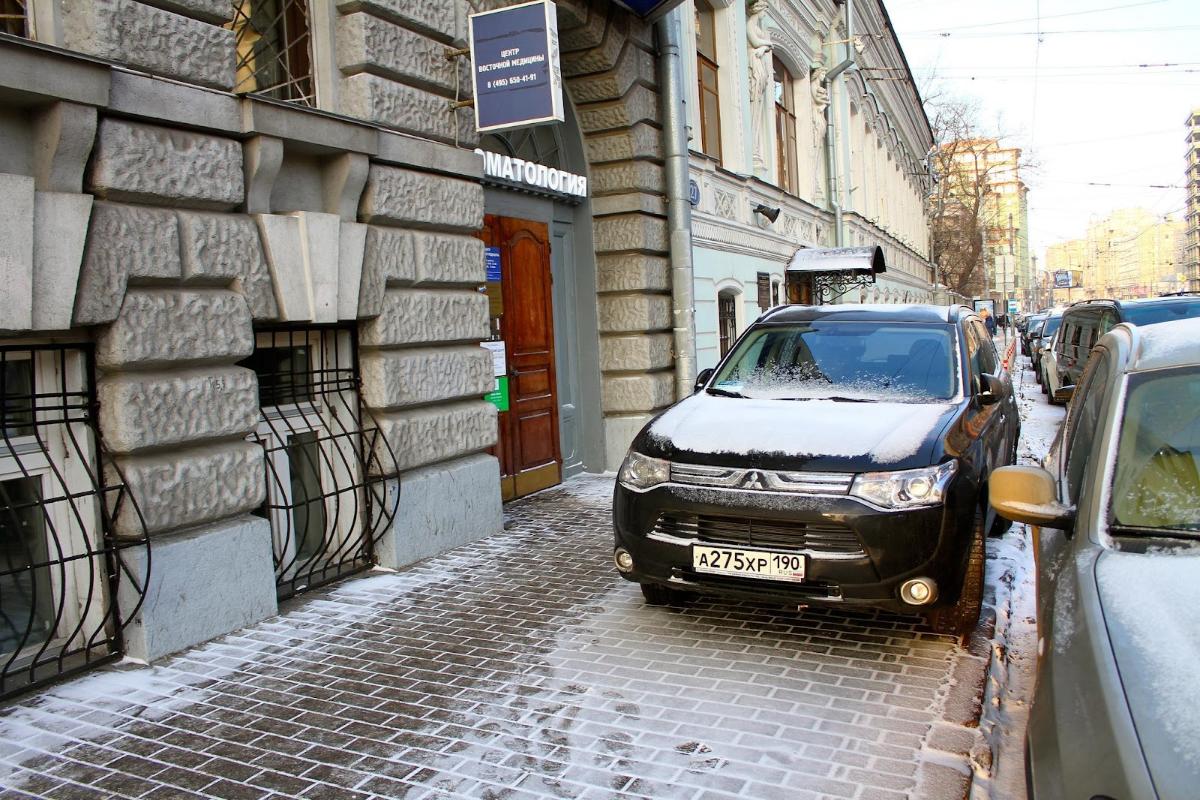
1191,256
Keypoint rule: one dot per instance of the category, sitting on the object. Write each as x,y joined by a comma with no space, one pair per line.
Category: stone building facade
764,141
268,302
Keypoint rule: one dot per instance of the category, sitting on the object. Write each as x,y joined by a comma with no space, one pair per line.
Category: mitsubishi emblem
754,480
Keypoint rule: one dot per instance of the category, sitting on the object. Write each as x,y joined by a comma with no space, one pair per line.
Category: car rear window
1154,312
858,360
1157,481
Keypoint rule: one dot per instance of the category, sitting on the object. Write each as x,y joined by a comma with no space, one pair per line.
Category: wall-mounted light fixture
767,211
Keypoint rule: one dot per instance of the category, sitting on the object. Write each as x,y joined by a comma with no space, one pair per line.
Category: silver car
1117,540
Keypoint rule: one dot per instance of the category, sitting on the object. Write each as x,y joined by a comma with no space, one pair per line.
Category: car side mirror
702,379
1029,495
991,389
1063,394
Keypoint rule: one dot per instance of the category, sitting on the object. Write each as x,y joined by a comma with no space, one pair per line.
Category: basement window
274,49
14,18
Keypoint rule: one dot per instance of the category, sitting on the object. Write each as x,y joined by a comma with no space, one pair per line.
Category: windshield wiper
840,399
724,392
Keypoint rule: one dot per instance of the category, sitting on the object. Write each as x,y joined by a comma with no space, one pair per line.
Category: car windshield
843,360
1153,312
1052,324
1157,482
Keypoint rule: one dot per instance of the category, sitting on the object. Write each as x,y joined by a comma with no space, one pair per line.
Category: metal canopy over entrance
820,275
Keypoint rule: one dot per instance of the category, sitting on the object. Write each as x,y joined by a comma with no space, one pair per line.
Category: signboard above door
514,66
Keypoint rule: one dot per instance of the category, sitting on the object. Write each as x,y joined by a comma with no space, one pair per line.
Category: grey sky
1078,102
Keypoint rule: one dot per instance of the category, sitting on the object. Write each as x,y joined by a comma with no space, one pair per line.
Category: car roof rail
1183,293
1094,300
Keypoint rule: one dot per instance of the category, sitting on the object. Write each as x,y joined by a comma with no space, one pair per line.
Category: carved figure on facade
760,78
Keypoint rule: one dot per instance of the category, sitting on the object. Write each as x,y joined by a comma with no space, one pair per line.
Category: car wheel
655,594
962,617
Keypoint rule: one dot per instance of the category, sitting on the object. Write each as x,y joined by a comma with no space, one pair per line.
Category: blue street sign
514,66
491,257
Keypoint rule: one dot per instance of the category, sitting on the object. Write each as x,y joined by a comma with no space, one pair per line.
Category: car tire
961,618
655,594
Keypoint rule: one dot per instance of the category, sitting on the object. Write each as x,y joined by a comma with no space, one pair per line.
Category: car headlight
641,472
910,488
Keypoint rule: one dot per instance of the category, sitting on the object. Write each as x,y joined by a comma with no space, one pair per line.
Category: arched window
727,319
706,74
785,129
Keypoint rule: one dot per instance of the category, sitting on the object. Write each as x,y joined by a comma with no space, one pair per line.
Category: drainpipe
679,207
831,159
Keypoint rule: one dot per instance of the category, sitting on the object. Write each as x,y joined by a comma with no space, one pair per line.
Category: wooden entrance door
528,448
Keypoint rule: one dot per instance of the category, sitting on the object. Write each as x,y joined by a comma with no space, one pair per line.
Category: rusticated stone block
618,434
416,316
370,44
630,176
633,272
634,313
435,17
388,257
139,410
429,435
588,30
638,105
635,64
217,12
405,108
397,196
449,259
181,488
397,378
158,326
631,393
123,242
629,203
631,232
148,38
602,57
226,247
635,353
149,164
640,141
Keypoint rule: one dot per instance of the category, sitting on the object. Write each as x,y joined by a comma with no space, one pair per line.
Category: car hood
1151,605
798,434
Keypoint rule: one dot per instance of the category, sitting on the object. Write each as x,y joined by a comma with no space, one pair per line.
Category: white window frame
79,608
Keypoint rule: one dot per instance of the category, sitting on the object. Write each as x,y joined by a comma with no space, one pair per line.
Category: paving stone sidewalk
520,667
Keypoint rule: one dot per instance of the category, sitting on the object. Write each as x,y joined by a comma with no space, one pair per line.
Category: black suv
837,454
1085,322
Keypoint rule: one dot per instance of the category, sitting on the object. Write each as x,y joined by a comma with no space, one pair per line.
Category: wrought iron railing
328,498
14,18
61,562
274,49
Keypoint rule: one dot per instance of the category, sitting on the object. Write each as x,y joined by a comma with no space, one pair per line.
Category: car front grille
829,484
830,539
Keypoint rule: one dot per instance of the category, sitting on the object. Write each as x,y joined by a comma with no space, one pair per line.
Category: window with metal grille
706,72
726,320
274,49
60,559
14,18
327,500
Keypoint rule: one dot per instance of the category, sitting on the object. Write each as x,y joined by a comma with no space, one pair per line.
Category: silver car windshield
1157,481
906,362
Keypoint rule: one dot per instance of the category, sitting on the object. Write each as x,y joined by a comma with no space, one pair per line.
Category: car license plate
748,563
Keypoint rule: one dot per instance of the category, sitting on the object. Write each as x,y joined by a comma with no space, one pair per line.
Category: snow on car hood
885,433
1151,606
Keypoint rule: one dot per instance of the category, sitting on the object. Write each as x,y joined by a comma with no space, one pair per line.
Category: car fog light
918,592
623,559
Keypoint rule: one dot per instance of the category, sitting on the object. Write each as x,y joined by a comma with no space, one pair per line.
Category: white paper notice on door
499,365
